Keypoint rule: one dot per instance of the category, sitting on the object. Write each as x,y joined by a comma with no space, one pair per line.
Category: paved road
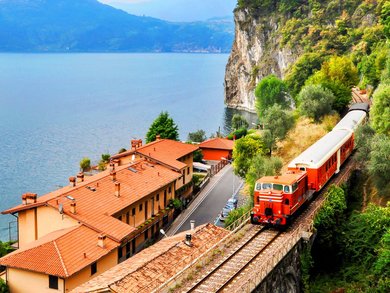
206,210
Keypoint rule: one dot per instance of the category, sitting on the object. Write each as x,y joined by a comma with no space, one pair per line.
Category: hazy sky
176,10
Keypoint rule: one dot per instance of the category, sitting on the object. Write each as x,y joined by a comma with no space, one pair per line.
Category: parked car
232,203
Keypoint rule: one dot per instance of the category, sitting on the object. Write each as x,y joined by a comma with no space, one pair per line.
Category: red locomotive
277,199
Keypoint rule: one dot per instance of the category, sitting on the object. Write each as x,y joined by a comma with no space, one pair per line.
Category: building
172,154
152,267
75,233
216,148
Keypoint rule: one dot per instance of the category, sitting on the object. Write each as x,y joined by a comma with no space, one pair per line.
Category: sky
176,10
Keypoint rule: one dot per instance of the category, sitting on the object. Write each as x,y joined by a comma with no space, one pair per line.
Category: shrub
239,122
380,111
85,164
237,134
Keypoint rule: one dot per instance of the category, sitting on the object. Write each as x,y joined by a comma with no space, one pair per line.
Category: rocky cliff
256,53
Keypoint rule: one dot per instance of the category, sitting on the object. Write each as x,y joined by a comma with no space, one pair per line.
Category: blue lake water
57,108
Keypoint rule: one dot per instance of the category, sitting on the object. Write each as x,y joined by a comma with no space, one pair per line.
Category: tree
244,150
303,68
122,150
239,121
164,126
197,136
379,166
380,111
270,90
363,137
278,122
85,164
262,166
315,101
198,156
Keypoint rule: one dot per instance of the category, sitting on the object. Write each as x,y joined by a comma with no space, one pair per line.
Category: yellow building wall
26,226
38,222
105,263
21,281
49,219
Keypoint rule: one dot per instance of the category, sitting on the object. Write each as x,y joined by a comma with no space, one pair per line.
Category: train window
277,186
295,186
267,185
302,168
286,189
258,186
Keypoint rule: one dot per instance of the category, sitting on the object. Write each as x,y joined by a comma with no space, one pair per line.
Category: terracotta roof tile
60,253
95,208
166,151
155,265
217,143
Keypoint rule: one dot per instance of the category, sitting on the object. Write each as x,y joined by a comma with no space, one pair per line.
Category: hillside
271,36
90,26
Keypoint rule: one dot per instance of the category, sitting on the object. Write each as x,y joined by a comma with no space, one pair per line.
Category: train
277,199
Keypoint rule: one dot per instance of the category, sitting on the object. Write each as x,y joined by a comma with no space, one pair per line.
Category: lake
58,108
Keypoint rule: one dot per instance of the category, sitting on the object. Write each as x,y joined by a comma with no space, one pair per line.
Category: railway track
220,276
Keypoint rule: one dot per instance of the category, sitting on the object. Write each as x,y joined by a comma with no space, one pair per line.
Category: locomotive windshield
267,186
274,186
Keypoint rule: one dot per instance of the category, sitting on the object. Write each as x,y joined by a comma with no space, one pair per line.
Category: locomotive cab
277,197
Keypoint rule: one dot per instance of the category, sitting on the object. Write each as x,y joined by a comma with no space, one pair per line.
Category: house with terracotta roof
75,233
172,154
216,148
155,265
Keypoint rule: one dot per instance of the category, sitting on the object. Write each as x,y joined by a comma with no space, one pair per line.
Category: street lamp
163,233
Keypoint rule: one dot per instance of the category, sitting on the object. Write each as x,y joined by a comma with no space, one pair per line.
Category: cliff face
256,53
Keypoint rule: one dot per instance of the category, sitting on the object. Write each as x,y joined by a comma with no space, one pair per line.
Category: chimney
112,167
24,199
158,137
192,222
135,143
188,239
117,189
101,240
72,181
30,198
113,175
80,177
73,207
115,162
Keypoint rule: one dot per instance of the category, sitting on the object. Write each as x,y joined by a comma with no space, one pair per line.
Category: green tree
315,101
385,18
278,122
3,287
379,166
239,121
303,68
122,150
197,136
270,90
198,156
363,137
380,111
85,164
164,126
262,166
244,150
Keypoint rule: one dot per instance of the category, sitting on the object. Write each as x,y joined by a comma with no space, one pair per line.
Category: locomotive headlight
279,213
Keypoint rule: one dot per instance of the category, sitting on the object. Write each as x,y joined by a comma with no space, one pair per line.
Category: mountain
90,26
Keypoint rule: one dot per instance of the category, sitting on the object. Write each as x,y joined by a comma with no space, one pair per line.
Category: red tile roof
165,151
95,208
61,253
150,268
217,143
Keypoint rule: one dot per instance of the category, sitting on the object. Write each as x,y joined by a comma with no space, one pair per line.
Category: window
169,189
286,189
258,186
188,171
120,253
127,249
127,218
146,234
295,186
140,207
133,212
53,282
267,185
302,168
93,268
158,197
277,186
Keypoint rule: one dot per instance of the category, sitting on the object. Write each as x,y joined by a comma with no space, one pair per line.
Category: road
206,210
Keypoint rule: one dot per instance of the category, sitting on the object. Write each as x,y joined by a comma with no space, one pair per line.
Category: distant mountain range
90,26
